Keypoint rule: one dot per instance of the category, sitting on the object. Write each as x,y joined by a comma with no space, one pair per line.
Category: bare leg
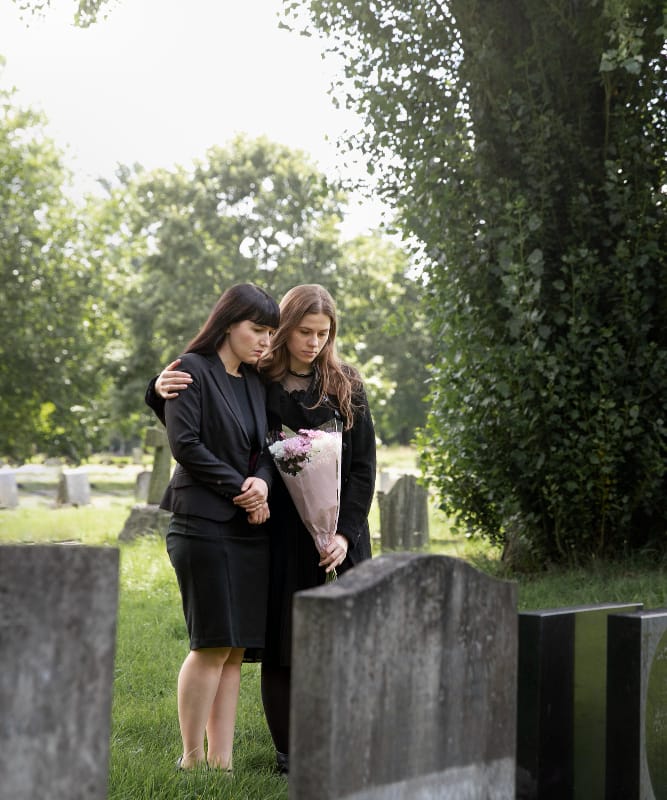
198,683
222,719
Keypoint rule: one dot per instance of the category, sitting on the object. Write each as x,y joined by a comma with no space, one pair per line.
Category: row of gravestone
73,488
408,673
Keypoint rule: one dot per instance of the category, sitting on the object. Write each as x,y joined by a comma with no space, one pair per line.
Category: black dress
294,558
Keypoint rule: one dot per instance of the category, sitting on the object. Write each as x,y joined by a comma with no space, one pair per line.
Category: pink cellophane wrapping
309,462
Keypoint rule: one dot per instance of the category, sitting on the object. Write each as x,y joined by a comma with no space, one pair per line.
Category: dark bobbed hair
240,302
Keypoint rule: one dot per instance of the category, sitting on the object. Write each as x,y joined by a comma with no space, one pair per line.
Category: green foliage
86,12
525,147
171,241
50,331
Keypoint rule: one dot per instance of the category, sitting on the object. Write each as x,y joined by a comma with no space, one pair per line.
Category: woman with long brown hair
308,385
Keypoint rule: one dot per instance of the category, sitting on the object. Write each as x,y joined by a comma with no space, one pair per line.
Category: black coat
209,439
295,409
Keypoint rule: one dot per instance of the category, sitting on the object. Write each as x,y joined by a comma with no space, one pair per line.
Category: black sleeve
359,485
154,401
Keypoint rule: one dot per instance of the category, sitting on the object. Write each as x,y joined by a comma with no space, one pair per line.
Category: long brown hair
239,302
335,378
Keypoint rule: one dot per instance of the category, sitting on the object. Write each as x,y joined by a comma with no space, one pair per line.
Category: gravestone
157,438
149,518
57,634
561,722
637,706
404,515
142,485
73,488
404,683
145,521
9,493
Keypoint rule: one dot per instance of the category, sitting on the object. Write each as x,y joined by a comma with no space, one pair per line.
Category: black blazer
209,440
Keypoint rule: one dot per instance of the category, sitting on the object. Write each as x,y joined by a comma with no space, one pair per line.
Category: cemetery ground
151,640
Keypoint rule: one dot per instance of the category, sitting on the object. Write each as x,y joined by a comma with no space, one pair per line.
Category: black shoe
282,762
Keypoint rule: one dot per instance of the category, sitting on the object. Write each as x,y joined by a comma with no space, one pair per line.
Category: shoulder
195,363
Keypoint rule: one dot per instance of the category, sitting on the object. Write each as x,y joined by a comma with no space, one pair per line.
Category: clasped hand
253,497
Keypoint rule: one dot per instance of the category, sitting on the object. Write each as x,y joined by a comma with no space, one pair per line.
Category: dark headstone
9,493
73,488
404,683
157,438
57,632
637,706
145,520
562,702
404,515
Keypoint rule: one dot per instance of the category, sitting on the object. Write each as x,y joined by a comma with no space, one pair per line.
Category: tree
253,211
172,241
523,143
50,328
86,12
383,331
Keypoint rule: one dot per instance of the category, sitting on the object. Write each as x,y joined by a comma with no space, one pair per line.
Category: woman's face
306,340
248,340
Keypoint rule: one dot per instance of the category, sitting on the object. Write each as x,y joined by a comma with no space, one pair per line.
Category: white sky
160,81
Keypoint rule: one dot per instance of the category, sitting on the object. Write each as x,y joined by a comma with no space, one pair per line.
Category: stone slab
561,715
145,520
637,706
58,607
73,488
142,485
9,491
404,683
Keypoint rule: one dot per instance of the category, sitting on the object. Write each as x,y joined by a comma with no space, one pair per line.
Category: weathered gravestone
404,515
637,706
57,631
9,492
404,684
142,485
157,438
149,518
561,725
73,488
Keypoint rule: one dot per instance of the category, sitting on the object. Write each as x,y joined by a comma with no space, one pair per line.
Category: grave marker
637,706
404,683
73,488
404,515
562,702
157,438
9,492
57,635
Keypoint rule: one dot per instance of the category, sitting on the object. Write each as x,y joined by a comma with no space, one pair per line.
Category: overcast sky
160,81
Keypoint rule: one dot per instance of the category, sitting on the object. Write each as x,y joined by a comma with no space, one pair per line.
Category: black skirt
223,574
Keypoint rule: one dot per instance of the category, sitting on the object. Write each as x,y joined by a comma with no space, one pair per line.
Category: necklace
300,374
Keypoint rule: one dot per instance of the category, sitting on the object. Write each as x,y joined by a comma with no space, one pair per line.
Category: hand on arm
172,381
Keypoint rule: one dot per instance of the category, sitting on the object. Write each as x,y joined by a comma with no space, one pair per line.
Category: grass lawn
151,637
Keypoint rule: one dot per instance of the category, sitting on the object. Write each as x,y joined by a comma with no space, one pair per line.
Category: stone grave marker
58,608
142,485
404,515
637,706
9,492
157,438
148,517
73,488
404,683
561,721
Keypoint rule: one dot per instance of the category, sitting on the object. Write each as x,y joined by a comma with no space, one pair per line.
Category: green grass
151,638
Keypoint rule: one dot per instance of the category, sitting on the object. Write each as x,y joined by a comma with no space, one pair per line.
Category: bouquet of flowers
309,462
